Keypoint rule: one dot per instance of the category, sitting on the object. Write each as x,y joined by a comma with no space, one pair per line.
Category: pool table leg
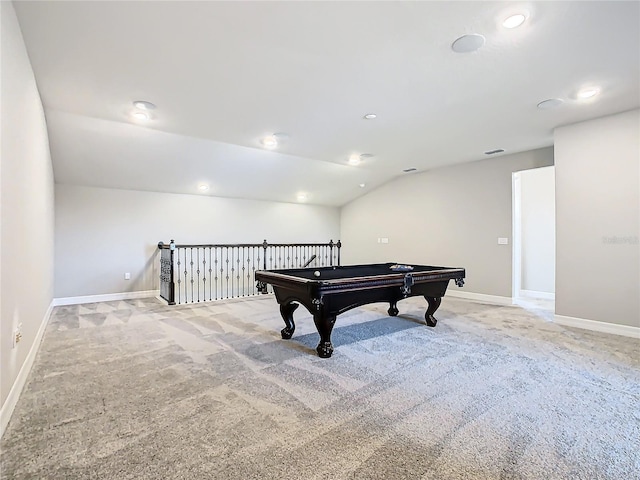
324,324
287,315
393,309
434,303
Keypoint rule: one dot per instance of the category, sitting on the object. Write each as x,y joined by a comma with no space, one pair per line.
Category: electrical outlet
127,276
17,335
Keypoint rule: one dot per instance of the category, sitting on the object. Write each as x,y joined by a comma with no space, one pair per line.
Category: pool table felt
353,271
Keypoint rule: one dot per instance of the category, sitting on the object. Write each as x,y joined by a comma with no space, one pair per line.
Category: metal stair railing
201,273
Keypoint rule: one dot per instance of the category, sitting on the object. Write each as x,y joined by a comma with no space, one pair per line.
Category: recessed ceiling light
144,105
141,116
468,43
269,142
514,20
362,185
588,92
354,159
370,116
550,103
302,197
203,186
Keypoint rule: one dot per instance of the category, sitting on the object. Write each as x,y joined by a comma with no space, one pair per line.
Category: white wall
26,219
103,233
598,212
538,232
450,216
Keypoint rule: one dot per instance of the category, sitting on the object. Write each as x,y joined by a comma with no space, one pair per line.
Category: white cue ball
316,273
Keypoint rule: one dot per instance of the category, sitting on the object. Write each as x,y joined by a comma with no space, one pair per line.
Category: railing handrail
162,245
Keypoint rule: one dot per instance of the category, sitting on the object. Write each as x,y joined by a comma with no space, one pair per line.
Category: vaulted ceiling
225,75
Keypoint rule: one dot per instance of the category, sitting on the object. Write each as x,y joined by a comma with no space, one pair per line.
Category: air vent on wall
493,152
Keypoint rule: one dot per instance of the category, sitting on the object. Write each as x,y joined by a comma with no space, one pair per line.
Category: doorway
534,240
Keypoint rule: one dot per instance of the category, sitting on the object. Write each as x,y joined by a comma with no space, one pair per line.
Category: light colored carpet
139,390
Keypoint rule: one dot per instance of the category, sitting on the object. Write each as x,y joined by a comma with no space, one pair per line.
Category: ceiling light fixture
274,140
141,116
370,116
588,92
514,20
354,159
269,142
302,197
144,105
468,43
550,103
203,186
362,185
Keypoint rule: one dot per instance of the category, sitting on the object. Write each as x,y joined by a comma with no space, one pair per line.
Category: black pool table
329,291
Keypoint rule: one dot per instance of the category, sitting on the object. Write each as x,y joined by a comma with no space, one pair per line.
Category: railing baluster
186,296
179,278
184,282
209,273
198,271
215,269
204,274
245,268
237,265
227,271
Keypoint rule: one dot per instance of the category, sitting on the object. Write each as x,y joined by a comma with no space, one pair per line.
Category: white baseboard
535,294
605,327
14,394
479,297
108,297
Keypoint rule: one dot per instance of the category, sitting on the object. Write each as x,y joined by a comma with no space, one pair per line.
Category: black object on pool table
329,291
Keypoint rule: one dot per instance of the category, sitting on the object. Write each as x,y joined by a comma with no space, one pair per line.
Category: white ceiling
225,74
